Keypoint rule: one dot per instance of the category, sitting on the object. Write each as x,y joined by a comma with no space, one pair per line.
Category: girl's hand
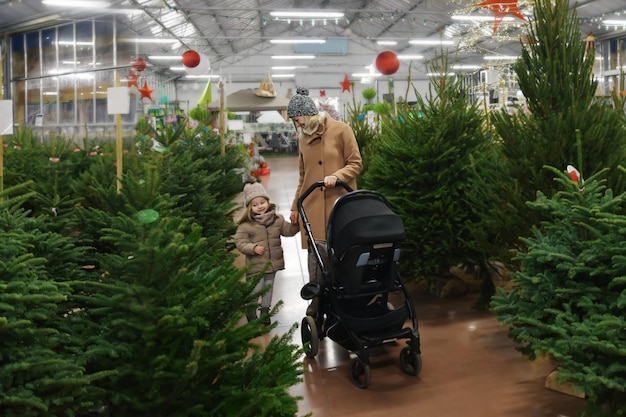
259,250
293,217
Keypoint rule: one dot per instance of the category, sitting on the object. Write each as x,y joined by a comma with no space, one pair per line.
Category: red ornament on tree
191,59
387,62
138,64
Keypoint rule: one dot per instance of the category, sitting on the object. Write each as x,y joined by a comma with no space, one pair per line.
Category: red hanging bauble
138,64
191,59
387,62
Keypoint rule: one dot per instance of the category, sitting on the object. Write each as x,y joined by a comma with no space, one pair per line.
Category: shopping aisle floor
470,367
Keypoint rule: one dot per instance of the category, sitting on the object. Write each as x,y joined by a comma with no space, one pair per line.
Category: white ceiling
235,34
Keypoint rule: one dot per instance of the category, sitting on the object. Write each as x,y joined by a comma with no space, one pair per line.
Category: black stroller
359,263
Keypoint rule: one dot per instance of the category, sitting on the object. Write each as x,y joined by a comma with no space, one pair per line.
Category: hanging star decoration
322,93
345,84
133,77
500,9
146,92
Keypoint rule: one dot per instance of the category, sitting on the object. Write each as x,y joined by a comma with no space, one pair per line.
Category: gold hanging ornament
266,89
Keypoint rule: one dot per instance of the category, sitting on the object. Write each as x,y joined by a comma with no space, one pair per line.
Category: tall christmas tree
555,75
423,161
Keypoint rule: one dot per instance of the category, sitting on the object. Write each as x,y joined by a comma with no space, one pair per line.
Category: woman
328,151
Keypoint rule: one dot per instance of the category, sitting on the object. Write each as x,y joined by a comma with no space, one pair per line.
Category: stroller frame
358,315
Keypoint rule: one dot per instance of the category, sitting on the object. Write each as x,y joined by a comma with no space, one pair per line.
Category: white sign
6,117
118,100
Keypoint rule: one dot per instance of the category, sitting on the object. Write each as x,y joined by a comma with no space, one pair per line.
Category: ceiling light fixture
389,43
466,66
77,3
203,76
293,56
409,57
283,75
165,57
500,57
614,22
479,18
301,14
298,41
150,40
439,74
366,74
288,67
431,42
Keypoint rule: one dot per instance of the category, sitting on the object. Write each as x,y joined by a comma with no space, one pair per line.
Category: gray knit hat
252,191
301,104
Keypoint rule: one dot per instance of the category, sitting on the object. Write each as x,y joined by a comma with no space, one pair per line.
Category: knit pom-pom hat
252,191
301,104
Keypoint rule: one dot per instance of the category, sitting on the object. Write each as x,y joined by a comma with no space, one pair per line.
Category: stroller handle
320,184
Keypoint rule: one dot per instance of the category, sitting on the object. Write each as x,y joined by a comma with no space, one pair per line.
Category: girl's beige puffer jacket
250,234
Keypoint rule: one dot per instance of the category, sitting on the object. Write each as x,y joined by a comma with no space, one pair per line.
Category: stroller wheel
310,339
410,361
361,373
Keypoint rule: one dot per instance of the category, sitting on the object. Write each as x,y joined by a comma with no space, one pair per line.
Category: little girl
258,238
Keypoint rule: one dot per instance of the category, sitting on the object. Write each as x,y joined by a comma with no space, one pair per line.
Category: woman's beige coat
250,234
333,151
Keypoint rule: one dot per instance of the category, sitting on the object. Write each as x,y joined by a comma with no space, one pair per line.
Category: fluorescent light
409,57
366,74
480,18
614,22
203,76
430,42
165,57
177,68
289,67
390,43
472,67
72,43
298,41
77,3
151,40
283,75
293,56
299,14
499,57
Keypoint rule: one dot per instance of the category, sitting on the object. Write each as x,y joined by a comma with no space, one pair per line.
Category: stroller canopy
362,217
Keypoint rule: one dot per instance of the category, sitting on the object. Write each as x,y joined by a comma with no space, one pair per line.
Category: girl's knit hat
252,191
301,104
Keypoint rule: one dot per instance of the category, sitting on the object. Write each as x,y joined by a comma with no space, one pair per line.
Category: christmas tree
569,295
555,74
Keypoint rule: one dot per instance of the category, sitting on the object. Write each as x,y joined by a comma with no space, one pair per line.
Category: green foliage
422,162
203,116
368,93
555,75
570,293
124,314
42,368
166,316
363,131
